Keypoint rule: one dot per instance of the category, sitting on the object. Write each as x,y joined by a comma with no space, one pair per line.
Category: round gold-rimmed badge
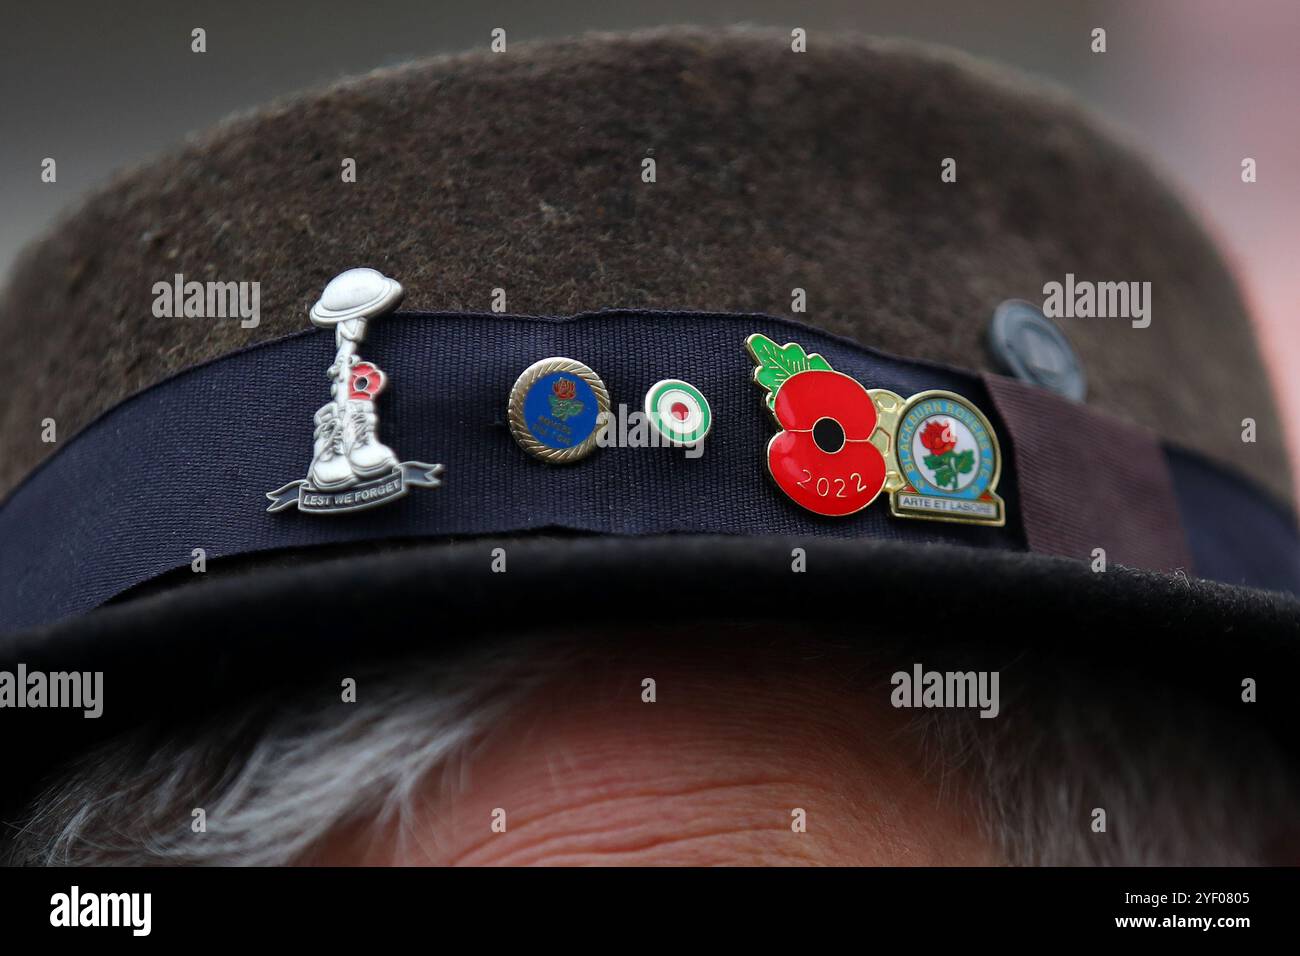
556,410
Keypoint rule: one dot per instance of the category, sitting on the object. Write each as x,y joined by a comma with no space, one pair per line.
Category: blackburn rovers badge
350,467
839,445
946,461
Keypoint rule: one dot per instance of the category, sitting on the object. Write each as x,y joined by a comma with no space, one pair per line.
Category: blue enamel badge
556,409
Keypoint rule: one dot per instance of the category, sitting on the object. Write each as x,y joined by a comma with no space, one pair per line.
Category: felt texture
775,171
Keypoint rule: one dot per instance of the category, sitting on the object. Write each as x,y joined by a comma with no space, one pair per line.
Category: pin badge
556,409
824,457
946,462
350,468
841,444
678,411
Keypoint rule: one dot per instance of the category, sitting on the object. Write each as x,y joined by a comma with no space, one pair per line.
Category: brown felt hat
775,171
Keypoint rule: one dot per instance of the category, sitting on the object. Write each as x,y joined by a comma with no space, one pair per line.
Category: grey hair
275,779
1179,786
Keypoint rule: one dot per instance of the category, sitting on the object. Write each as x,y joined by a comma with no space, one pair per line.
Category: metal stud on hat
1034,350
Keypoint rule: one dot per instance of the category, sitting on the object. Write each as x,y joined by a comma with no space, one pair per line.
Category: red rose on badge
365,382
565,388
938,437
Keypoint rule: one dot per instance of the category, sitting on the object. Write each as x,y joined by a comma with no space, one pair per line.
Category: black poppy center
828,434
362,383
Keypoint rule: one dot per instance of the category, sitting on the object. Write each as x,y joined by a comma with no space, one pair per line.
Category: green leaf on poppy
945,476
964,461
777,363
934,462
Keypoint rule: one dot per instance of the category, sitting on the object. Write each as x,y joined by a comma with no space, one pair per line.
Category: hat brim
177,652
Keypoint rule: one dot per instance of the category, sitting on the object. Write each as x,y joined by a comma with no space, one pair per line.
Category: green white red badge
841,444
678,411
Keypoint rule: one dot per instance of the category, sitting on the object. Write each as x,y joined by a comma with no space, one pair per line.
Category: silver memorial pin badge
350,468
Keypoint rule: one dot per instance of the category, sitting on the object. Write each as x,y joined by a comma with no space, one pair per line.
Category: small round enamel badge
678,411
556,409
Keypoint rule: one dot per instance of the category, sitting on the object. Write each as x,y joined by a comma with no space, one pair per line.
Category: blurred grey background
1196,84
